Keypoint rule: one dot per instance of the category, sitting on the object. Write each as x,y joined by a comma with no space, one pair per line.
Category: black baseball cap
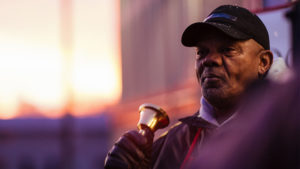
236,22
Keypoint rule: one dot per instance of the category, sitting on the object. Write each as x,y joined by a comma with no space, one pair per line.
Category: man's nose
212,59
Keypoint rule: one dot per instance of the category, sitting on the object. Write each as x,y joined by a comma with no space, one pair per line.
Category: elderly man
232,46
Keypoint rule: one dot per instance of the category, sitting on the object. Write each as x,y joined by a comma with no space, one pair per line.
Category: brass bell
153,117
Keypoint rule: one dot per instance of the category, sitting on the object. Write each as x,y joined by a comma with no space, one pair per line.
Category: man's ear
265,62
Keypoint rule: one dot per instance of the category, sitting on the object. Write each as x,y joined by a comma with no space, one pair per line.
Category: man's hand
131,151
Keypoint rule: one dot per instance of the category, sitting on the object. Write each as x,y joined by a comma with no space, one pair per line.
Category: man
232,46
265,134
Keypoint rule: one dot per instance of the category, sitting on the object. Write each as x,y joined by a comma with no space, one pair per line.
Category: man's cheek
198,74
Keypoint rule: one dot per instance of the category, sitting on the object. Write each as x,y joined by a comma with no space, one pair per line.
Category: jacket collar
197,121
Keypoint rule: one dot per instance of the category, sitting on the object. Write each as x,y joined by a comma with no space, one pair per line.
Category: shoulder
181,129
162,138
172,129
181,126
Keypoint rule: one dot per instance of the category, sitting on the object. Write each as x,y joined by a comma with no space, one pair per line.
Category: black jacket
170,150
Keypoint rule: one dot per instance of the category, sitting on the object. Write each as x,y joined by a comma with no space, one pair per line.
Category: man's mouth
210,78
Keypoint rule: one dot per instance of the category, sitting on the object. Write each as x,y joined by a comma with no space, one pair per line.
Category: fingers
130,151
137,138
132,147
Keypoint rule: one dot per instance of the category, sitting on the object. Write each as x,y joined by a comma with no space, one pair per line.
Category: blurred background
73,73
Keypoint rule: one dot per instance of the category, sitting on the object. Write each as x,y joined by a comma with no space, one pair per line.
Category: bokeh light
33,64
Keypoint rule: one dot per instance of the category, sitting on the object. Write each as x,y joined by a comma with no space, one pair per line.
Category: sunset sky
34,69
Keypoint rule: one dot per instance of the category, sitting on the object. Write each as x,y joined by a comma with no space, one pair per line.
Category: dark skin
225,67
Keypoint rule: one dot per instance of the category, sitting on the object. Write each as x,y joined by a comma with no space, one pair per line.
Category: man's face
225,67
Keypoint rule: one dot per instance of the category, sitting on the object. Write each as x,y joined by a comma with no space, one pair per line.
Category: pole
67,135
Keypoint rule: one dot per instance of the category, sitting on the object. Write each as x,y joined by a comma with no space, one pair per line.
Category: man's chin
212,94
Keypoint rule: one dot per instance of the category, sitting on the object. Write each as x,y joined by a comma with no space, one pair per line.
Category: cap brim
193,33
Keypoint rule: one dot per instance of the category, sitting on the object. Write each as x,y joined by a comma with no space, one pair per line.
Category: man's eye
227,49
201,53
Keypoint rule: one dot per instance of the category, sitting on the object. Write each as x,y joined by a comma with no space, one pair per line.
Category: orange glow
32,63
